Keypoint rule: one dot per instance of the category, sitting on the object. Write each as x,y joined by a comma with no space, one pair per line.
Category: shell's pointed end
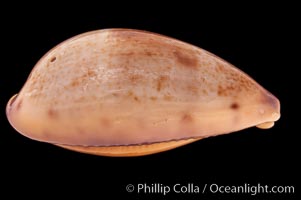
273,111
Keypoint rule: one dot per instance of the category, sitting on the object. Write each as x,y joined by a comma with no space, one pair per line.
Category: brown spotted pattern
124,88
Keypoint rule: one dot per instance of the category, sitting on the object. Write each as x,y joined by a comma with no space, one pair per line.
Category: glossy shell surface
122,88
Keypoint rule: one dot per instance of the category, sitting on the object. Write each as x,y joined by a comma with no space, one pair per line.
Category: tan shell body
122,92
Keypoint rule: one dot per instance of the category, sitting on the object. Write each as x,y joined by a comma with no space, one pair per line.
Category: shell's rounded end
10,103
9,108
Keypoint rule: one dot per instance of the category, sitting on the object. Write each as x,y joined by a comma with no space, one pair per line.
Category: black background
260,40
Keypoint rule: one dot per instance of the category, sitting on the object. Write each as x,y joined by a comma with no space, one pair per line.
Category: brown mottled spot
136,98
226,90
130,53
153,98
52,113
149,53
75,83
168,97
204,91
130,93
220,68
135,78
186,59
33,81
160,83
234,106
187,118
91,73
53,59
192,89
220,90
